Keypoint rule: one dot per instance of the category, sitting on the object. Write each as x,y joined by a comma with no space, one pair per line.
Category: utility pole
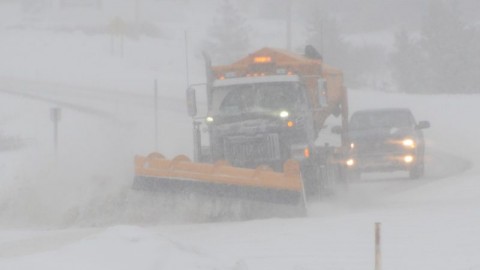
137,11
155,106
99,4
289,25
321,38
186,59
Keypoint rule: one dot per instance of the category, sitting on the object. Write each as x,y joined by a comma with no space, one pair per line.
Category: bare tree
228,37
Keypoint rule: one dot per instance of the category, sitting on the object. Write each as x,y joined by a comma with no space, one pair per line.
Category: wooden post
55,116
378,251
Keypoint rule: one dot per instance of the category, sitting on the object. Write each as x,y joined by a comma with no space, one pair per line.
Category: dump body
326,93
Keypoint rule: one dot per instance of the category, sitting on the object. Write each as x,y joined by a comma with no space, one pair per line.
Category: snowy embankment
67,214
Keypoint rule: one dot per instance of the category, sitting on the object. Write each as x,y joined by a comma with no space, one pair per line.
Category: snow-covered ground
67,212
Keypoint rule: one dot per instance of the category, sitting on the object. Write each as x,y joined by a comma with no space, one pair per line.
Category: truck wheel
329,179
311,179
417,171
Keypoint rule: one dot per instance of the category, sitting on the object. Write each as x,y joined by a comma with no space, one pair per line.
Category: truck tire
417,171
310,174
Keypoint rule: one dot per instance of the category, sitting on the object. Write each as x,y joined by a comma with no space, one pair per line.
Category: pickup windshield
383,119
259,97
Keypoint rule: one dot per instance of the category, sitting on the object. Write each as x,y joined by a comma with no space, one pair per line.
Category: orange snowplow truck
264,115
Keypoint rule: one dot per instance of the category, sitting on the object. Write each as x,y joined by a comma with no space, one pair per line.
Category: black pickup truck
386,140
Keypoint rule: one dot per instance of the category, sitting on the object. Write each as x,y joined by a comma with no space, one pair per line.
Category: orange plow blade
180,175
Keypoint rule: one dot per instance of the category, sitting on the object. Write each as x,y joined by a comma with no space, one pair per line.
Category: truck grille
244,150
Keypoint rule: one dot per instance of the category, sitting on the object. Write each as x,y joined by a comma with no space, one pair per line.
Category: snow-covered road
69,215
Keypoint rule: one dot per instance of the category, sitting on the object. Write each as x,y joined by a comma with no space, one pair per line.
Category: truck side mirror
322,92
423,124
337,130
191,102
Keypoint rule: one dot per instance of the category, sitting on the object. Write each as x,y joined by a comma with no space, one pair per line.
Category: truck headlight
408,143
209,119
284,114
350,162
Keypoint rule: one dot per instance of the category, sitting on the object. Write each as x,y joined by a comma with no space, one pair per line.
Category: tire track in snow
440,165
374,188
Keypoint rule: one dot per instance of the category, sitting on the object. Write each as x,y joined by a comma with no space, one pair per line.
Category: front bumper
382,162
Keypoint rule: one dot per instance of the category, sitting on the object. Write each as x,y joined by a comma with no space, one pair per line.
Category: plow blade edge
181,176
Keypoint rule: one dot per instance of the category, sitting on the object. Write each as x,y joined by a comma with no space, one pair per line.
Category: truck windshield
260,97
384,119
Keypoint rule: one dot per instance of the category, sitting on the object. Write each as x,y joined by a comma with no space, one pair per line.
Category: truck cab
256,121
267,110
386,140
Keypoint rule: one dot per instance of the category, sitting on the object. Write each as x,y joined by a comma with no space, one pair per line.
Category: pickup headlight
350,162
409,143
408,159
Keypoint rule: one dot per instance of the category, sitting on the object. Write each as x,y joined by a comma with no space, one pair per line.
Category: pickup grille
378,147
252,150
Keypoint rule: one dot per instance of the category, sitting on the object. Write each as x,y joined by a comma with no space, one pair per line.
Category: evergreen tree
228,36
445,59
473,53
407,64
443,41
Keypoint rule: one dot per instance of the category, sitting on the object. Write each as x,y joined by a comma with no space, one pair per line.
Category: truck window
261,97
278,96
239,99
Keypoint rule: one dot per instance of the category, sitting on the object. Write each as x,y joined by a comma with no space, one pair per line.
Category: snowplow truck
257,139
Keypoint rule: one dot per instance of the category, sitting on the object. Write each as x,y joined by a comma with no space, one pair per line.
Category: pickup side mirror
191,102
423,125
337,130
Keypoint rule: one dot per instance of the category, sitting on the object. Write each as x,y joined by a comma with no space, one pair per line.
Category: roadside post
378,251
55,116
117,30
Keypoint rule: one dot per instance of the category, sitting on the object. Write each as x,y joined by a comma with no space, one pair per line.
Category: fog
99,62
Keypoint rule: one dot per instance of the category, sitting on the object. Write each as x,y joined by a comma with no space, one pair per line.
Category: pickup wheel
354,175
417,171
